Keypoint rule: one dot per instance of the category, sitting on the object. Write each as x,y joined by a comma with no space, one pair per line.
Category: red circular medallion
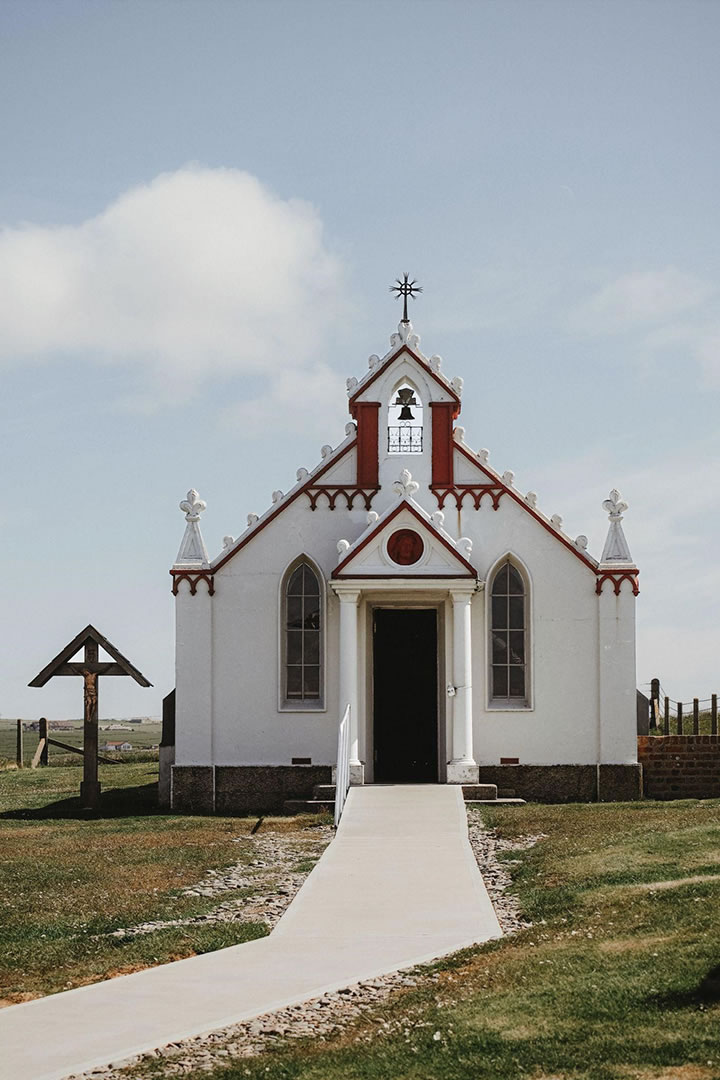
405,547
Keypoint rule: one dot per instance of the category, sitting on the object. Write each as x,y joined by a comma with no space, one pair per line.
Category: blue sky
202,205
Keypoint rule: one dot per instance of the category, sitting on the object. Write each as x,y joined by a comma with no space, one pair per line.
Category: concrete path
398,886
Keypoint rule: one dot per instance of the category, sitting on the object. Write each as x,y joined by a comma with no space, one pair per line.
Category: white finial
581,542
277,496
302,474
456,384
483,455
192,547
373,361
372,516
435,363
193,505
459,433
405,336
325,451
228,541
616,546
351,383
251,519
350,429
406,486
507,477
343,546
438,519
464,546
556,521
531,499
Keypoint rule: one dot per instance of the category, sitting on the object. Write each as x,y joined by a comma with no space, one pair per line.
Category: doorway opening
405,693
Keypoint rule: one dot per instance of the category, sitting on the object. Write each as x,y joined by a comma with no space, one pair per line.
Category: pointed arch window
405,421
302,623
508,638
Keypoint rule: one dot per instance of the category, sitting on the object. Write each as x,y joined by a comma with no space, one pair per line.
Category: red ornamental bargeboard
405,547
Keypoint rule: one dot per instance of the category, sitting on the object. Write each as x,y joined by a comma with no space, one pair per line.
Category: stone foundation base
243,789
462,774
565,783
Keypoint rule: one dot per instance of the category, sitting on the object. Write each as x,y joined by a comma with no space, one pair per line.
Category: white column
349,674
193,675
618,711
462,768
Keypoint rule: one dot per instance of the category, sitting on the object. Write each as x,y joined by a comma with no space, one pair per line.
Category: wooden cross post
91,667
90,786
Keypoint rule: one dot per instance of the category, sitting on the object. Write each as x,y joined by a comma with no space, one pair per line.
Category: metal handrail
342,774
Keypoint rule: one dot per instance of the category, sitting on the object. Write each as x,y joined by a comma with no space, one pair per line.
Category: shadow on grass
707,992
139,801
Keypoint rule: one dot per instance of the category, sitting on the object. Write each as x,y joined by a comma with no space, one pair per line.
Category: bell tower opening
405,421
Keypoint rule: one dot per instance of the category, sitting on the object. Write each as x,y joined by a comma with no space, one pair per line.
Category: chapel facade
473,640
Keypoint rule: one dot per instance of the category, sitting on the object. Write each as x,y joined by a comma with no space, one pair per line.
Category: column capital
463,594
346,595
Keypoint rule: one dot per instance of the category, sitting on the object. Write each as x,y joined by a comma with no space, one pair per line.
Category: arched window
508,650
405,421
303,644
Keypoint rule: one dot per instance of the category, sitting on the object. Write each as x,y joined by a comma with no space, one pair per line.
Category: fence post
679,718
713,715
666,724
696,716
19,745
43,734
654,703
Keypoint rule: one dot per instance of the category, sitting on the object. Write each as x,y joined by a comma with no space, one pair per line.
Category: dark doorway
405,695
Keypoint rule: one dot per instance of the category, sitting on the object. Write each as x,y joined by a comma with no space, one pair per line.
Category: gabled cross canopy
89,639
90,668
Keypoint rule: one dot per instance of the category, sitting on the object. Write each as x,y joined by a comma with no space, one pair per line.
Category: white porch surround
462,769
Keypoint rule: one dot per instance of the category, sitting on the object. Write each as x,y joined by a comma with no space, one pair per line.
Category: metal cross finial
405,288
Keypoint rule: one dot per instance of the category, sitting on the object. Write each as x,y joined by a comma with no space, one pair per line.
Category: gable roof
385,363
495,480
61,665
438,534
307,482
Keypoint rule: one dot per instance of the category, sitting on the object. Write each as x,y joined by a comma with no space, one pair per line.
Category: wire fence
670,717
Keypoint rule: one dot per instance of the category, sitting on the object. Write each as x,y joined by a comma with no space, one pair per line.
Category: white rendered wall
618,742
193,675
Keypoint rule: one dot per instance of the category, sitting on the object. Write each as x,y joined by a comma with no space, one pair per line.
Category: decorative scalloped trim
332,493
617,577
193,579
475,491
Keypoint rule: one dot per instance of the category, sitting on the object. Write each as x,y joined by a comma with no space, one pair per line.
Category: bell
405,413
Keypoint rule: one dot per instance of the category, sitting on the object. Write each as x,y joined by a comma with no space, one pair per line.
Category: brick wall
680,766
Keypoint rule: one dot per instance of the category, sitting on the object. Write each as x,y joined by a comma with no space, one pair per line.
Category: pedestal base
462,774
357,775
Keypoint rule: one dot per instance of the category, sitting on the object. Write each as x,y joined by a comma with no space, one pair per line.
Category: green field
141,736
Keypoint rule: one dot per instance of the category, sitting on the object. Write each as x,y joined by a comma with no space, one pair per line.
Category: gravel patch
326,1016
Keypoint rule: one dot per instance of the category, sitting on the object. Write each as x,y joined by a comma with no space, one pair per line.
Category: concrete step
495,802
309,806
480,792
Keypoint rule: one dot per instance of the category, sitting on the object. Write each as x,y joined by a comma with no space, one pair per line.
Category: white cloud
310,401
201,272
637,300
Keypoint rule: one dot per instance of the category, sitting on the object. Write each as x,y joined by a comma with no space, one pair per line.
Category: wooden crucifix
91,668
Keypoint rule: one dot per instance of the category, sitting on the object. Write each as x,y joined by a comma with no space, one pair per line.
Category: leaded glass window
509,636
303,636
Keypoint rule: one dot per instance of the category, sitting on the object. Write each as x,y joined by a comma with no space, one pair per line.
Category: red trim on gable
533,513
402,505
283,506
353,403
443,413
617,577
367,414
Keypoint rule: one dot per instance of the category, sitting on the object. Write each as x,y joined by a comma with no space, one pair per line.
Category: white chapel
472,639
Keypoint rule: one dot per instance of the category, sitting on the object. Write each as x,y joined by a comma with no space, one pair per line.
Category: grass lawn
611,983
68,878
